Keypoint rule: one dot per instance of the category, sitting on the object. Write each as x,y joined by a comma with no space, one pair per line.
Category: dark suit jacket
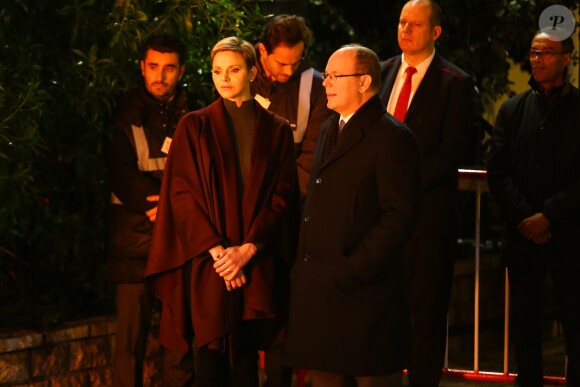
348,304
441,116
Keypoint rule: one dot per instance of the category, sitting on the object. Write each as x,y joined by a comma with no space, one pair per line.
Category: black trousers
326,379
429,264
526,291
213,367
134,311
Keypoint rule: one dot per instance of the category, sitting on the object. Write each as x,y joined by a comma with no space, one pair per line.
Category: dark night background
63,63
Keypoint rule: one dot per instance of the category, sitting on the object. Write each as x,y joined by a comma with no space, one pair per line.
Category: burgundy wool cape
201,205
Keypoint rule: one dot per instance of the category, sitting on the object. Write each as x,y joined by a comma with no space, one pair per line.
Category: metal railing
476,180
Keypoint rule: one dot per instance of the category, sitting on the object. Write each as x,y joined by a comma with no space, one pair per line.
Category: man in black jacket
289,87
534,175
144,124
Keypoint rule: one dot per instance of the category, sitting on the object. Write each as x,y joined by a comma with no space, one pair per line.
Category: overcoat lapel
228,164
352,134
353,131
258,167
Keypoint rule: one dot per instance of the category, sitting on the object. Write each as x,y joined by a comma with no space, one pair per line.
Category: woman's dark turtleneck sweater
241,123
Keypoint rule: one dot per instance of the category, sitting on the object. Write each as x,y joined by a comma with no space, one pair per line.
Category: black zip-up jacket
534,166
135,162
283,99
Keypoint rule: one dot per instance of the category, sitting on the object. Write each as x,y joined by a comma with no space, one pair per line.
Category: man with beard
288,86
144,124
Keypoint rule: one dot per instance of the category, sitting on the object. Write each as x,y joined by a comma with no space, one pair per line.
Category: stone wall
76,354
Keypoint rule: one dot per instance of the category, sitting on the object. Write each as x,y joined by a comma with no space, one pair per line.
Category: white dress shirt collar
345,119
421,67
417,78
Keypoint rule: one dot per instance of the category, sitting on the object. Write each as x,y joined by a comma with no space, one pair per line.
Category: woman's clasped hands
229,263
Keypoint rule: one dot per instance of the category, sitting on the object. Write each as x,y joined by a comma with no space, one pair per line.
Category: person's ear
365,82
262,49
567,58
253,73
436,32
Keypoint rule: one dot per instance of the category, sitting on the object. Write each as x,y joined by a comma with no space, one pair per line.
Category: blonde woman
223,226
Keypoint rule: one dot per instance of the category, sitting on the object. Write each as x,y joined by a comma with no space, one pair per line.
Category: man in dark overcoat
348,310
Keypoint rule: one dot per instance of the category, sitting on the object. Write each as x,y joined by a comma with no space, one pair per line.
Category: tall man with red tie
435,99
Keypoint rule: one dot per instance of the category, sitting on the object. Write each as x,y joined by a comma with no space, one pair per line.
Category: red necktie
404,94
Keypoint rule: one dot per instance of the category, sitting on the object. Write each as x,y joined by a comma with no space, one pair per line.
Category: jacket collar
390,76
556,92
354,130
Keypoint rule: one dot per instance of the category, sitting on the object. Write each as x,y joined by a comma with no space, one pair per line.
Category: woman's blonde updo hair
238,45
